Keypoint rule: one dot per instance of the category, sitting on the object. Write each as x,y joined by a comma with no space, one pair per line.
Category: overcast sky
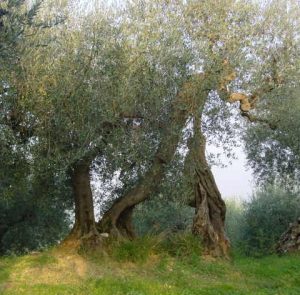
235,180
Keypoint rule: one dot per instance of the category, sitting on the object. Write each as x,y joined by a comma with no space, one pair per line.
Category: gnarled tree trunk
117,220
289,241
210,209
85,226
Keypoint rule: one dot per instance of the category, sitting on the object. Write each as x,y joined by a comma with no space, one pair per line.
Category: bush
30,225
33,216
266,216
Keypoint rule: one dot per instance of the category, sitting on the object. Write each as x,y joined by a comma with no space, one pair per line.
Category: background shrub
254,227
156,216
235,221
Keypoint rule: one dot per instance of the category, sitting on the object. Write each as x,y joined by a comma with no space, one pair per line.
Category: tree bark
117,220
85,226
289,241
210,208
125,225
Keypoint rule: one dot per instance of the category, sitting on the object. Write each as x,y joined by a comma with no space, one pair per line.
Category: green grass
138,250
146,267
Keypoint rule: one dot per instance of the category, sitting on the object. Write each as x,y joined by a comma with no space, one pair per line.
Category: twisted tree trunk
117,220
210,209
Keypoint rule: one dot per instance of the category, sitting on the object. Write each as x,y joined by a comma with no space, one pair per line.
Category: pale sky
234,180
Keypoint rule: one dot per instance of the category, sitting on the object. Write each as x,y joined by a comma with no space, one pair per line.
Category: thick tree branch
248,102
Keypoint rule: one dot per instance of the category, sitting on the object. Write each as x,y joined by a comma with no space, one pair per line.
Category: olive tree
133,78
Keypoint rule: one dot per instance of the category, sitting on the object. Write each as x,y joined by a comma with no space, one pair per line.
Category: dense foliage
32,222
34,198
267,217
255,226
34,206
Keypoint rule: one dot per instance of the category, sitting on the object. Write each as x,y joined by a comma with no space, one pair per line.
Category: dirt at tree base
290,240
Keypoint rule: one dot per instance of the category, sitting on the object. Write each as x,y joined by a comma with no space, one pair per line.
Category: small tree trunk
85,226
210,209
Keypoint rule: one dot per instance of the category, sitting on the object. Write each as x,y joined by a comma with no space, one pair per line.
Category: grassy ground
137,269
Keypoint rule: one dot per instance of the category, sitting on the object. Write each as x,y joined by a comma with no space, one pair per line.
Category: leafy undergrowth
147,266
